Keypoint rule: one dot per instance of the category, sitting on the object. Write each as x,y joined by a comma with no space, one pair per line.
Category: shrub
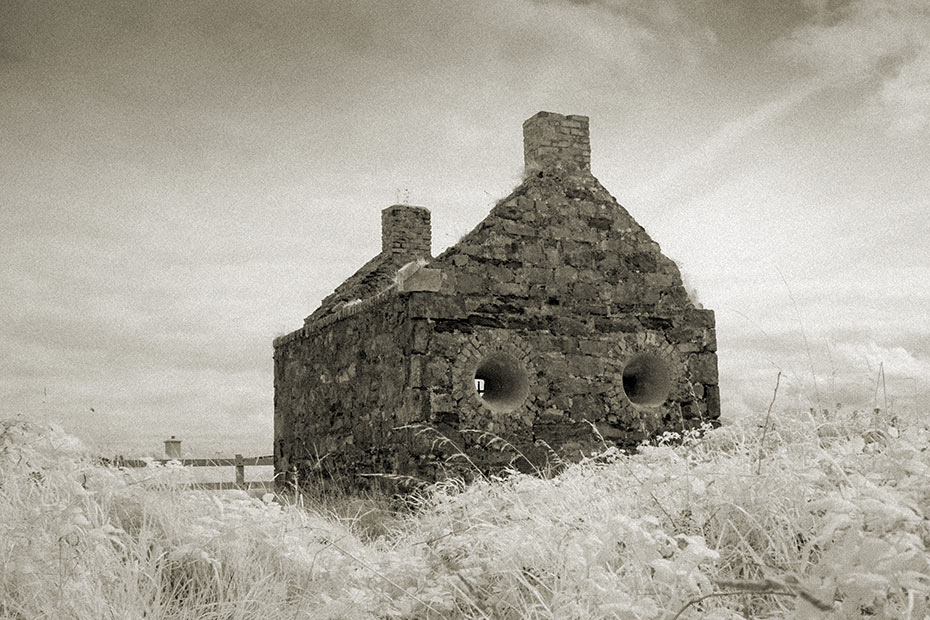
826,519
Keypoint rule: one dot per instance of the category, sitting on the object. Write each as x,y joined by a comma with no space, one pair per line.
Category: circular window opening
646,380
501,382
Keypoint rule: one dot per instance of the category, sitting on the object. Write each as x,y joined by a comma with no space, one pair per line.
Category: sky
181,182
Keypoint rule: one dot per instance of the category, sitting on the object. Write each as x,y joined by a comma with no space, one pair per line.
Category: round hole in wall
646,380
501,382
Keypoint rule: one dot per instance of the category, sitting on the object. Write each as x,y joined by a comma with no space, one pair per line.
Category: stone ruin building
556,325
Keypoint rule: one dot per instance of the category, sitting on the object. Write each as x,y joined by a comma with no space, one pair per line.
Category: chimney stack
406,230
556,143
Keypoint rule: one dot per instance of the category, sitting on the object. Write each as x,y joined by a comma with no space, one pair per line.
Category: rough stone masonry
555,325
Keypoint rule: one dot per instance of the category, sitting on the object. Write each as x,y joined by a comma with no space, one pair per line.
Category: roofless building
555,323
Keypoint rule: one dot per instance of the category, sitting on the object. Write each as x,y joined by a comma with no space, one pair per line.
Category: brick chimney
406,230
552,142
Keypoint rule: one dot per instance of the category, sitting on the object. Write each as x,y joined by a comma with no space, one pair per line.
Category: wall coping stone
344,312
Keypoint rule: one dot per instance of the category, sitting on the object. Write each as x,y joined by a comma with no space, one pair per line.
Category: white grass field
826,519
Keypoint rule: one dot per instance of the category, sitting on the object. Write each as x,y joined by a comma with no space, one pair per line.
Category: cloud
832,366
886,42
649,24
695,165
897,361
908,94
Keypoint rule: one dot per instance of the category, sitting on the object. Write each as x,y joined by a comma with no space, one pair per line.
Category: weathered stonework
554,324
556,143
406,231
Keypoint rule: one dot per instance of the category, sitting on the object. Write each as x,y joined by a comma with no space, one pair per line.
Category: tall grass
827,518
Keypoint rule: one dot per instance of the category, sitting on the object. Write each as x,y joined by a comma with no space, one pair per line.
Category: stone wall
341,387
347,412
562,281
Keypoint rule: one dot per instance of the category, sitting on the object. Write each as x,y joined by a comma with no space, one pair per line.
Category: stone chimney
406,230
552,142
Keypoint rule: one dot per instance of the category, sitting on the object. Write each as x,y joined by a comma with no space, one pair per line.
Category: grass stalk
765,425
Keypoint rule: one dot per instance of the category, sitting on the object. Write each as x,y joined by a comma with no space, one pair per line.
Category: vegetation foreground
815,516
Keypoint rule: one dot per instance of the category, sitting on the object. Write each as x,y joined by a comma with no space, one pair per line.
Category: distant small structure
173,448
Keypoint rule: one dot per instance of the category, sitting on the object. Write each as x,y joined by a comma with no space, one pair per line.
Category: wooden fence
239,462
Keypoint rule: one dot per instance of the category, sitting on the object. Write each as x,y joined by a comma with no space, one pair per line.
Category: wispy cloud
908,93
887,41
647,24
697,163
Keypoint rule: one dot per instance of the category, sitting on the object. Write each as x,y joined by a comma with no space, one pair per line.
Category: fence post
240,470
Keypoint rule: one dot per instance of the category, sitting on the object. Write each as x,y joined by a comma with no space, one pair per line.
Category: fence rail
239,462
